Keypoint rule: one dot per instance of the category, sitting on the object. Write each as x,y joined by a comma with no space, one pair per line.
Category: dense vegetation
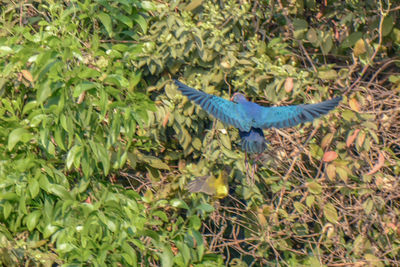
97,144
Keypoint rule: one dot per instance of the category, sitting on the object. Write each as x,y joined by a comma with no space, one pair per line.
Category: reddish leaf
27,75
166,118
289,84
351,138
329,156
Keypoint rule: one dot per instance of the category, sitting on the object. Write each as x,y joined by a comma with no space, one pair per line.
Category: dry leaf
351,138
329,156
381,162
27,75
354,105
81,97
166,118
289,84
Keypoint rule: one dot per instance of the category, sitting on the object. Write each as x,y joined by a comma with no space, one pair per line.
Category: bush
98,145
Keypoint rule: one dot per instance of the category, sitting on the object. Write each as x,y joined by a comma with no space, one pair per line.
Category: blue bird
250,118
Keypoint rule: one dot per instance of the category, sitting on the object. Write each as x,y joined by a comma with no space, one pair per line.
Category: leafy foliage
97,144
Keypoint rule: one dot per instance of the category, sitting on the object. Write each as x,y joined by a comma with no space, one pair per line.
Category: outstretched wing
281,117
200,185
222,109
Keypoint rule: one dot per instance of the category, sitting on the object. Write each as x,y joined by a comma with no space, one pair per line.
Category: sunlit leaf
330,213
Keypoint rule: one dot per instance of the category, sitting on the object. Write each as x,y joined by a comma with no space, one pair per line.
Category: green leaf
342,172
327,43
351,39
310,200
312,37
34,188
314,187
161,215
18,135
179,203
130,254
126,20
73,155
49,230
43,92
205,207
193,5
153,161
7,208
61,192
82,87
299,207
330,213
368,205
141,21
167,257
300,28
327,74
32,219
106,21
387,26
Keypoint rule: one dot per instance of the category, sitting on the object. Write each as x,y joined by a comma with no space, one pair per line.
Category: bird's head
238,97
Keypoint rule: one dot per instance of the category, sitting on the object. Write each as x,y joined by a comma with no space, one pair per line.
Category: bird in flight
215,186
250,118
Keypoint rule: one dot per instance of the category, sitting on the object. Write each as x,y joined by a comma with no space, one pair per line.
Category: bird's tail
253,141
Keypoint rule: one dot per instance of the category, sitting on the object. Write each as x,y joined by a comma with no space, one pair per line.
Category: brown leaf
381,162
354,105
166,118
351,138
27,75
329,156
288,84
81,97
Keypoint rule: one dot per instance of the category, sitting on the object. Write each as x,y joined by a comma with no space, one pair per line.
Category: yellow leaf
314,187
326,140
342,172
331,172
354,105
225,64
359,48
330,213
